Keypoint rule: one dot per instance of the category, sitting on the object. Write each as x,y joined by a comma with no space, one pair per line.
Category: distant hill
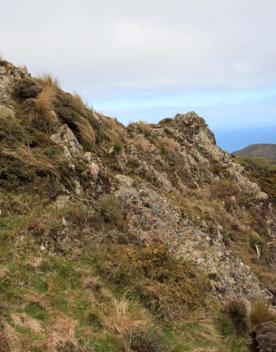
267,151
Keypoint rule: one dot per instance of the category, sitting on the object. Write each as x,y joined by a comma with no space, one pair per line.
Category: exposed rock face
174,184
153,215
68,141
265,337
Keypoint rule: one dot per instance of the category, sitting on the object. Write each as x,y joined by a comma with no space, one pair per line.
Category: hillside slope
262,171
139,238
266,151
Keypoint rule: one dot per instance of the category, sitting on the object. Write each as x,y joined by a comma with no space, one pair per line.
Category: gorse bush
167,286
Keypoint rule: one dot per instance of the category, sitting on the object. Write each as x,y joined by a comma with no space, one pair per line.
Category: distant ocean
235,139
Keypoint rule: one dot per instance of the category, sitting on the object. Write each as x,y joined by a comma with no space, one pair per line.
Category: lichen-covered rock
265,337
94,171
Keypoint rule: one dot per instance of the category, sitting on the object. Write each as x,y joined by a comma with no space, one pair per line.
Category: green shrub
255,240
168,286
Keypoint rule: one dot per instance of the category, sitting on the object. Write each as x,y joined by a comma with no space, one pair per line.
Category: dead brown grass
24,321
62,331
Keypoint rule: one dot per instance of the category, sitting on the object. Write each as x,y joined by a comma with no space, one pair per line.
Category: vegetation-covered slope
145,238
262,171
266,151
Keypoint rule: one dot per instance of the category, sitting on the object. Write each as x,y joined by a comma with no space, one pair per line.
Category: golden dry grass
26,155
142,144
168,145
261,312
44,103
124,317
86,131
48,81
143,127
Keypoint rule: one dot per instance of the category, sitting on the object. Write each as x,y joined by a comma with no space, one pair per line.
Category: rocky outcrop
174,184
265,337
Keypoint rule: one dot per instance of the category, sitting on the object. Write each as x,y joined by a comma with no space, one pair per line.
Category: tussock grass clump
111,136
39,108
237,311
72,111
38,162
31,169
143,127
223,188
111,209
44,104
168,146
169,287
86,132
261,313
124,318
12,132
140,126
150,340
47,80
142,144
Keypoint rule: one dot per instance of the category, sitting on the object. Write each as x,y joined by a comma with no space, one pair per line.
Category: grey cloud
109,45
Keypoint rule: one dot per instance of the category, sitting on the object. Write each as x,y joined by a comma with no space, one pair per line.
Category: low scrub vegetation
167,286
263,172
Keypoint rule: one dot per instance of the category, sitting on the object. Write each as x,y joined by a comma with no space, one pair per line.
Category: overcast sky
150,59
